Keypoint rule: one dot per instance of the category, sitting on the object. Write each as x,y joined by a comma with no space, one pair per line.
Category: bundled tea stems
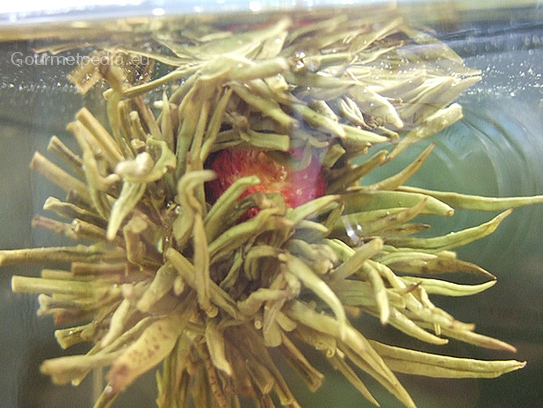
207,287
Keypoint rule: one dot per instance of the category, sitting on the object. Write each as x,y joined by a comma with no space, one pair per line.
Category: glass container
312,90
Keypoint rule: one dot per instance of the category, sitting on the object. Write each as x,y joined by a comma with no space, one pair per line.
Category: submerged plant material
223,216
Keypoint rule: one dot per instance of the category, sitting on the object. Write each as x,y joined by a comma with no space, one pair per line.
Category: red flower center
296,186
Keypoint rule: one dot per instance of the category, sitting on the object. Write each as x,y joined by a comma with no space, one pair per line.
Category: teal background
495,150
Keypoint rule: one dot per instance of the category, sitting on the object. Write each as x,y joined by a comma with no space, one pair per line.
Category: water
495,150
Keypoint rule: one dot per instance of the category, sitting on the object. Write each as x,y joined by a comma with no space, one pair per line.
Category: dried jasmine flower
226,216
